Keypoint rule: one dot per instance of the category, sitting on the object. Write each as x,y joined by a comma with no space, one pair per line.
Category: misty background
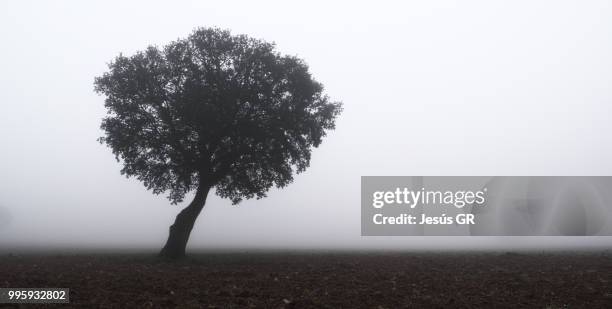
429,88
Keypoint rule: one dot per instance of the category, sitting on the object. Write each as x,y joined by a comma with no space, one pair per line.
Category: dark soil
321,280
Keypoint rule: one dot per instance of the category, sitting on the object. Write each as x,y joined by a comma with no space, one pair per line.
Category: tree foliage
214,110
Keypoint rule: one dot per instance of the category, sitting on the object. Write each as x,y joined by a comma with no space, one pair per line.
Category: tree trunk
183,224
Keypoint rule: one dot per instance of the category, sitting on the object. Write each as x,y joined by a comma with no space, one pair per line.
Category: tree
213,110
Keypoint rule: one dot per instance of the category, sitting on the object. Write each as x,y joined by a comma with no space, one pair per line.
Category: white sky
430,88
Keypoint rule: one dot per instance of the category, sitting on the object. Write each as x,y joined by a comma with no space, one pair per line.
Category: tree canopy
213,110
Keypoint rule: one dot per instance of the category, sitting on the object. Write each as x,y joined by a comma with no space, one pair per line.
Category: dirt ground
320,280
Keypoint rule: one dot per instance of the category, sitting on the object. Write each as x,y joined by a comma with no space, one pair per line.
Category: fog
429,88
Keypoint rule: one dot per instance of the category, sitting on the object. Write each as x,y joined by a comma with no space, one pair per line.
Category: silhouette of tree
214,110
